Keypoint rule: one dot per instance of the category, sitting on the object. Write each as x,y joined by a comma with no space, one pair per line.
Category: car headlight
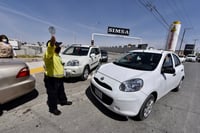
72,63
131,85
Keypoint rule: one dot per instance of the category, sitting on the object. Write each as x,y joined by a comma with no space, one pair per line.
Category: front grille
102,84
106,99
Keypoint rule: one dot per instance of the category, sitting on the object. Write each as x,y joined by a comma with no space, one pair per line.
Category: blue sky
76,20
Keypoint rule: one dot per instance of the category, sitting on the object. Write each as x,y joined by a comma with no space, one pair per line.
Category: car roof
158,51
84,45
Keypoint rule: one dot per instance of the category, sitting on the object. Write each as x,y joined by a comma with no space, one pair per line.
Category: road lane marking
41,69
36,70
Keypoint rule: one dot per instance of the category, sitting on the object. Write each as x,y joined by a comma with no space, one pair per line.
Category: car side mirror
92,55
169,70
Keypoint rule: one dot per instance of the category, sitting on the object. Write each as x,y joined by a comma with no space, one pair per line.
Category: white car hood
120,73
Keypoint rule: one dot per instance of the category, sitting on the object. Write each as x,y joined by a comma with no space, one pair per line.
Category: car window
168,61
139,60
79,51
96,51
191,55
176,60
92,51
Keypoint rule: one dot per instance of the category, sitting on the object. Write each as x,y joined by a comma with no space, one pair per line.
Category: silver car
15,80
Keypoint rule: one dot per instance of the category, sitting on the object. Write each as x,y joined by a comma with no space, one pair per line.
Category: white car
182,58
15,44
132,84
191,58
79,60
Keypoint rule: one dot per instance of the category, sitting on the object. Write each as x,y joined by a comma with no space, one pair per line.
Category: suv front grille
103,84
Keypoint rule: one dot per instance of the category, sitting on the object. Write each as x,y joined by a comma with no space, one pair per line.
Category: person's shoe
55,112
65,103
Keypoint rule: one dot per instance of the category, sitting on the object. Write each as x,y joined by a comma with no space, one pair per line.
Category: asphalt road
177,112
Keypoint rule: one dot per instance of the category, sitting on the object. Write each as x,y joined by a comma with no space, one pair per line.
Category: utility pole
182,39
195,40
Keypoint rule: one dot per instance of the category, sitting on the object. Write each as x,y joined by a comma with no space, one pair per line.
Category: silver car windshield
139,61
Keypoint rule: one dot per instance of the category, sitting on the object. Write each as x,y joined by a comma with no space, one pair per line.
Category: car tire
85,73
146,108
178,87
1,110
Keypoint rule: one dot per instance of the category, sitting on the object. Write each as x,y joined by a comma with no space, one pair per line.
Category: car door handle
174,74
181,70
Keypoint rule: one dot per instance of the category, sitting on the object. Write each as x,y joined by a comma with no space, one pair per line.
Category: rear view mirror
92,55
169,70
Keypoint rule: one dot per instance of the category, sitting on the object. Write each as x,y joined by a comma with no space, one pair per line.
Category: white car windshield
78,51
191,55
139,60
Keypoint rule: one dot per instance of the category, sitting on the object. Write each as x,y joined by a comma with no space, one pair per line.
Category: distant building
16,44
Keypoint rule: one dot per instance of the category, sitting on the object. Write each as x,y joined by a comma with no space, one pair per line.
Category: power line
163,19
152,8
186,14
173,6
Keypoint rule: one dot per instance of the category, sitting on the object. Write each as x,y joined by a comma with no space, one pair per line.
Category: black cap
4,37
58,44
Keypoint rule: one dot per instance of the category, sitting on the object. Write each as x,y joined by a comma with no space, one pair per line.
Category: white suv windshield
79,51
191,56
139,61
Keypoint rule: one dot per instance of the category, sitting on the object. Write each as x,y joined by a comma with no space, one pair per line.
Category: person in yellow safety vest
54,76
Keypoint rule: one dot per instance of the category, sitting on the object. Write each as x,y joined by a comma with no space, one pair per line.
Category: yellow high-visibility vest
53,63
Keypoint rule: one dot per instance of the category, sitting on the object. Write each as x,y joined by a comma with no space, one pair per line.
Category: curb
36,70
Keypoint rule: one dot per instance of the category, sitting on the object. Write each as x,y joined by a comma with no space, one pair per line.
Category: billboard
118,31
189,49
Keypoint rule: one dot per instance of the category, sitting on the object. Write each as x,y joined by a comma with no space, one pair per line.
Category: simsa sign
119,31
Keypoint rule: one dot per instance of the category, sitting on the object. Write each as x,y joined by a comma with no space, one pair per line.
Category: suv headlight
72,63
131,85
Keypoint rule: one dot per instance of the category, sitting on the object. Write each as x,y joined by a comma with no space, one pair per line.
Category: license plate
98,93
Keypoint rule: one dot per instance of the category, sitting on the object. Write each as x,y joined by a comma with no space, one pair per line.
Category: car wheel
146,108
85,74
1,111
178,87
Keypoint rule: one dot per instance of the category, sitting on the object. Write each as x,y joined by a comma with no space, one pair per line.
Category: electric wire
149,6
179,11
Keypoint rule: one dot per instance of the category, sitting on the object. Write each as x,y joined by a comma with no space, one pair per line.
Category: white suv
80,59
191,58
132,84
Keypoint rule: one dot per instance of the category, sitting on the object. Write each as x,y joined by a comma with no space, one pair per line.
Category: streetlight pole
182,39
197,49
195,40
